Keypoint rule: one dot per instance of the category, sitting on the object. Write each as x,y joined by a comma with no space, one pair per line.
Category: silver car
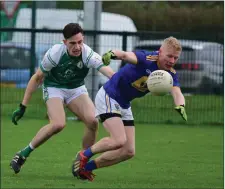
200,67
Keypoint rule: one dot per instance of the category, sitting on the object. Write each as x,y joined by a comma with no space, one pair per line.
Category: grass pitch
167,156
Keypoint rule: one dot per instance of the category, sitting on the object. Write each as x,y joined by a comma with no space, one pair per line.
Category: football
159,82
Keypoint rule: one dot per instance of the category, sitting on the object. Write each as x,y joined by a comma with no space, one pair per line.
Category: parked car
16,62
200,67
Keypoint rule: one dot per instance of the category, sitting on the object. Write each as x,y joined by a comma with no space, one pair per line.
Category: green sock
26,151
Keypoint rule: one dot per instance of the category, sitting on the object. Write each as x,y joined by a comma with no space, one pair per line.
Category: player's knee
129,153
92,123
58,126
120,142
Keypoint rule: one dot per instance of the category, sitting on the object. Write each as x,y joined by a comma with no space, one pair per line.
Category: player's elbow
38,77
124,56
111,74
107,71
129,57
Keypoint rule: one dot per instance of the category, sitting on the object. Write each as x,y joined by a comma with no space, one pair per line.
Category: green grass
167,156
208,109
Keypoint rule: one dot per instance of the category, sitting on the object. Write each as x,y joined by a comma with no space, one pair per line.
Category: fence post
124,45
92,21
32,53
94,86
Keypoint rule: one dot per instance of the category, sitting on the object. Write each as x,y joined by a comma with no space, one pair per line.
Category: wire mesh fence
200,70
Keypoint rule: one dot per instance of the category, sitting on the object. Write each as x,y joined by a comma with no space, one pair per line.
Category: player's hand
181,110
107,57
18,113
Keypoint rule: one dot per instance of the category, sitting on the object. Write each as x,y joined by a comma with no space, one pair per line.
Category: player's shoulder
57,48
86,49
152,55
147,55
55,53
87,52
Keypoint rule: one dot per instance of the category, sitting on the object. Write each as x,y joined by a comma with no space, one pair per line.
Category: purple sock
88,153
90,166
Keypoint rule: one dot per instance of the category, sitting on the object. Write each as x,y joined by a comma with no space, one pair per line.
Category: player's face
168,57
74,44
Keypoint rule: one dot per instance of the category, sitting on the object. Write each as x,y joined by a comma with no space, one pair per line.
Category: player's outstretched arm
32,85
128,57
179,102
107,71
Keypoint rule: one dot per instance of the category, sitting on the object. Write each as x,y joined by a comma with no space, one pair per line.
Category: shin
57,122
83,107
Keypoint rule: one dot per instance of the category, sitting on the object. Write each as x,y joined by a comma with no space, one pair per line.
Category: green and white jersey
64,71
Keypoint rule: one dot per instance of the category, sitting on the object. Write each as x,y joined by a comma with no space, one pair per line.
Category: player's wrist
181,105
22,107
112,55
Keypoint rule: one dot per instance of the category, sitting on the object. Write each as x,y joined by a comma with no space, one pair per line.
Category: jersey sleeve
175,80
91,59
51,58
141,56
95,61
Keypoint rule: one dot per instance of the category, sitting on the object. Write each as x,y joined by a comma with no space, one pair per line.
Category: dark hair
72,29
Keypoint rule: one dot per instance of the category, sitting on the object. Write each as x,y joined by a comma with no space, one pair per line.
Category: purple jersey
130,81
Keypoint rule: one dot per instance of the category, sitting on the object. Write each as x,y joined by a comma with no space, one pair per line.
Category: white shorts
104,104
65,94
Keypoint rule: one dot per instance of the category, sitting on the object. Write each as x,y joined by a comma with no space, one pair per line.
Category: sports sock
27,150
90,166
88,153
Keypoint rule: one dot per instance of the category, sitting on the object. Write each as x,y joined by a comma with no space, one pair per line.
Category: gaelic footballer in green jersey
63,70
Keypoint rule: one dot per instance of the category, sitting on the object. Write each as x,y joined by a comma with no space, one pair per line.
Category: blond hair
173,43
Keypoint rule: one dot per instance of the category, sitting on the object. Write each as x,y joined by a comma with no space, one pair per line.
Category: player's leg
82,106
116,140
56,115
115,156
110,114
126,152
57,123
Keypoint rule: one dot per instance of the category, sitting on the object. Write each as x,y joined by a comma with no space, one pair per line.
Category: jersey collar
73,57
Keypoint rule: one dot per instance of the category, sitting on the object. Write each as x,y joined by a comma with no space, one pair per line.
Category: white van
58,18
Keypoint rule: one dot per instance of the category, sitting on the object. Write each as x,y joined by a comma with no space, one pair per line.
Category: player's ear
160,50
64,41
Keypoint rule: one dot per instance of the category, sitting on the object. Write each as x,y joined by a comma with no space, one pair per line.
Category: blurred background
29,29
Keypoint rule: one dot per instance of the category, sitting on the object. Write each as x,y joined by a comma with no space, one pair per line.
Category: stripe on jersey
50,59
98,68
42,69
107,102
90,55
